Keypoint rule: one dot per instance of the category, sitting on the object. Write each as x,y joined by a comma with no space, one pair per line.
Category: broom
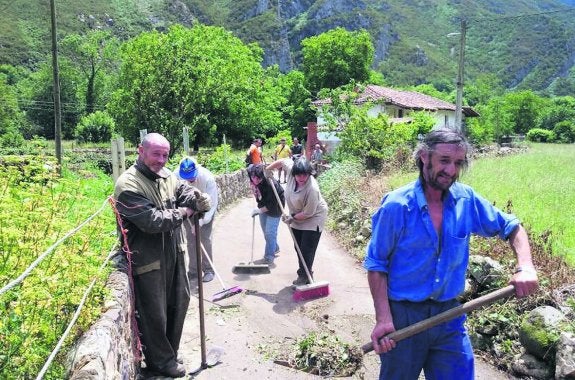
313,289
226,292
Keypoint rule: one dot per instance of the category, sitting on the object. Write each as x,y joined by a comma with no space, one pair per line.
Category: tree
558,110
296,107
483,88
202,78
93,54
495,121
37,92
10,115
336,57
523,108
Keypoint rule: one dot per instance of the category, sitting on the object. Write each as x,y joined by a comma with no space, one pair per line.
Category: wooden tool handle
447,315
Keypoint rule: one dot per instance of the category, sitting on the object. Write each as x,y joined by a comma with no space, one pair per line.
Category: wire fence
46,255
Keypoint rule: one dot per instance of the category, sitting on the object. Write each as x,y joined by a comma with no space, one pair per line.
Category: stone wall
105,350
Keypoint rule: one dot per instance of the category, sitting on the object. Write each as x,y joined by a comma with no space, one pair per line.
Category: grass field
539,183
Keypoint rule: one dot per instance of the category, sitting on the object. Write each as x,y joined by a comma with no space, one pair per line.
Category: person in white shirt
201,178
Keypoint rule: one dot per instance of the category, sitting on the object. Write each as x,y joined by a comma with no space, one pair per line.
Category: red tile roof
403,99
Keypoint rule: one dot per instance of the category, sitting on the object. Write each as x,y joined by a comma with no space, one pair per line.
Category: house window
400,113
446,119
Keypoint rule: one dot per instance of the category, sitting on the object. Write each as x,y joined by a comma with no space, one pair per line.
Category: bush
540,135
222,160
95,127
11,139
564,132
374,140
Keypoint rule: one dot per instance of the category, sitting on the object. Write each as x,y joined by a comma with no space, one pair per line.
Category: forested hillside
527,44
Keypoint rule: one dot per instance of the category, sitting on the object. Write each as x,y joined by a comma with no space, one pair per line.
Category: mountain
527,44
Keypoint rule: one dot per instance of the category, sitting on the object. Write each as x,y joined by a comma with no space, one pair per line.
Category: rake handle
447,315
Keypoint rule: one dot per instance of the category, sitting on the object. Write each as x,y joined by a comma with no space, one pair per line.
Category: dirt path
258,325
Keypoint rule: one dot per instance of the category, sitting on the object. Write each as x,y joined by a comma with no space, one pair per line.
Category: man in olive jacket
152,205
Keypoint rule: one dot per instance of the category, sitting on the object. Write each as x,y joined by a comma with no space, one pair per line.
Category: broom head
226,293
251,268
310,291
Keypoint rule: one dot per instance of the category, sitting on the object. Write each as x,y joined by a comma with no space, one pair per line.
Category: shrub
540,135
95,127
564,132
222,160
374,140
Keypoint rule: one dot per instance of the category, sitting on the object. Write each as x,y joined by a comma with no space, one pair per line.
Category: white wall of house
443,118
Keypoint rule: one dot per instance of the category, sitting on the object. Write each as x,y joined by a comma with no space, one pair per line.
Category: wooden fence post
186,137
118,158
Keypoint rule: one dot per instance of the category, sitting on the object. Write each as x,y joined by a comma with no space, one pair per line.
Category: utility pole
57,108
459,83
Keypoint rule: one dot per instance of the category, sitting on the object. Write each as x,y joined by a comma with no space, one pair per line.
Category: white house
398,105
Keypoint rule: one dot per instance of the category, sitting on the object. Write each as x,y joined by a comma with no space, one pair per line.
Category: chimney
311,138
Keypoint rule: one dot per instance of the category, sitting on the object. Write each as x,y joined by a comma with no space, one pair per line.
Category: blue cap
188,170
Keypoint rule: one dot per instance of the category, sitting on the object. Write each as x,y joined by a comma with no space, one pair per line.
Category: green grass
539,183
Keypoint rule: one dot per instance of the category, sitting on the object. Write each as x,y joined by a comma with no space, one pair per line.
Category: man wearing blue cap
203,180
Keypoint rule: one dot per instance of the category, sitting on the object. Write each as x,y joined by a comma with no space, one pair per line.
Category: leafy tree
10,115
340,105
523,108
202,78
483,88
93,54
564,132
296,107
37,92
557,110
495,119
336,57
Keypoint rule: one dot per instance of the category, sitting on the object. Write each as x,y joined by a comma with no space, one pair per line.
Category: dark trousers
162,299
307,242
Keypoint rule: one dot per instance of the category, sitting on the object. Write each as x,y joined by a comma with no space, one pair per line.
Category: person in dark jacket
268,210
152,204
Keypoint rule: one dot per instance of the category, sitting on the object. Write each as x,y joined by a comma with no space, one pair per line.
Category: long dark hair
441,136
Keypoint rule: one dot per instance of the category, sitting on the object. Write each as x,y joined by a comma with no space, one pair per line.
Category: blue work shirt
419,264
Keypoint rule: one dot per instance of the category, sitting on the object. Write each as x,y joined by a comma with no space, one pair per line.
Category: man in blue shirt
417,259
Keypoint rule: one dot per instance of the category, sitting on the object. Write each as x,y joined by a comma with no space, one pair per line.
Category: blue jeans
443,352
270,226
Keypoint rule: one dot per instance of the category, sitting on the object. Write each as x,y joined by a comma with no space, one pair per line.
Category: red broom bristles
311,291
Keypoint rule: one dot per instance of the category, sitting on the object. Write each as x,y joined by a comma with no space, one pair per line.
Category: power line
525,15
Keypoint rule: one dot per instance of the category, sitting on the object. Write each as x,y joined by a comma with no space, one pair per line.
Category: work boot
173,370
208,276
